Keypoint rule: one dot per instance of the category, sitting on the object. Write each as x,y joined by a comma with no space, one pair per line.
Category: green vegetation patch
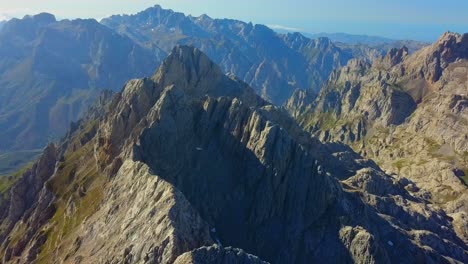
399,164
325,121
432,145
465,177
79,188
446,194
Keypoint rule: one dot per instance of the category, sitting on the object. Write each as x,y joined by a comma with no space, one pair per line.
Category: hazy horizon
418,20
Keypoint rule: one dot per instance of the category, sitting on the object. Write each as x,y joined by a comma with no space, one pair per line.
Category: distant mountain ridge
264,59
353,39
51,71
345,40
357,43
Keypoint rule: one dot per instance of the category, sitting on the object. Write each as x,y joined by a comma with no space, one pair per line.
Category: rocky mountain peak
452,46
64,57
433,60
158,8
186,66
29,24
296,36
151,17
323,42
204,17
395,56
449,37
406,112
193,71
358,64
263,30
299,41
203,21
300,102
43,18
353,71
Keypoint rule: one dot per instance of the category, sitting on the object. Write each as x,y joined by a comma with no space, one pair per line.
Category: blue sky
409,19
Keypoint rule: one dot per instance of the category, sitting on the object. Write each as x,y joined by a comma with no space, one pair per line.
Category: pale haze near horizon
398,19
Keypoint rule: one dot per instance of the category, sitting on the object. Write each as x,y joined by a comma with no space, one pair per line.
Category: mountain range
274,65
179,139
406,112
52,71
189,164
361,42
353,39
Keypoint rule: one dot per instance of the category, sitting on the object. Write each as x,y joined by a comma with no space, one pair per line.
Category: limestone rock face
178,163
430,62
406,112
218,255
256,161
154,218
301,101
362,246
395,56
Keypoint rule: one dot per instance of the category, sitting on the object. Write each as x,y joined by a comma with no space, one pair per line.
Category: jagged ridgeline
407,112
52,70
274,65
191,166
